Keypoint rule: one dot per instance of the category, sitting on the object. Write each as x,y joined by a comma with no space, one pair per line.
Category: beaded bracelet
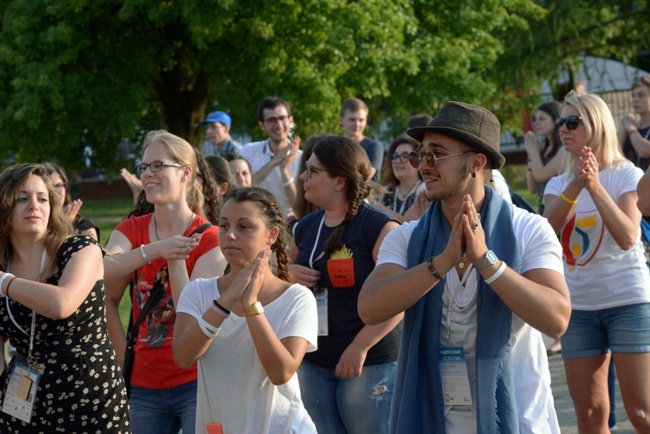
433,270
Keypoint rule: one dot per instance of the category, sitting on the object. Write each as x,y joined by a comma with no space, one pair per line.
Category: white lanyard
401,211
456,296
313,250
33,330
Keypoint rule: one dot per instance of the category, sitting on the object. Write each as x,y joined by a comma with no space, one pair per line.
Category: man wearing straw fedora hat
475,277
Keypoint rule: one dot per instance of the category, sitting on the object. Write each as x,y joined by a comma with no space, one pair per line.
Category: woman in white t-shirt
592,207
249,329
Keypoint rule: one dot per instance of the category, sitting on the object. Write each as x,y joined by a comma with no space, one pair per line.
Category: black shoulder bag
132,331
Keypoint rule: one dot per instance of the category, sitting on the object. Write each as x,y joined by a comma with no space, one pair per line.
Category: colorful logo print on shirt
581,238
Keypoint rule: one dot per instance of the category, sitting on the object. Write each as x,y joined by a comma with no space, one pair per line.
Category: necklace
155,225
461,264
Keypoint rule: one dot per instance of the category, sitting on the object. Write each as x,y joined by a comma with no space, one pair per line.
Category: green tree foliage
92,72
567,31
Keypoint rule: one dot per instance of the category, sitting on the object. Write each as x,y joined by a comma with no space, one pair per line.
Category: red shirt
154,365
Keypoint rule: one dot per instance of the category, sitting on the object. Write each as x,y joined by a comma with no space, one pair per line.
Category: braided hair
272,215
344,157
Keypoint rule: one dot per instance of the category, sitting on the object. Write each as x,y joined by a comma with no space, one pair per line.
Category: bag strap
153,298
201,228
153,294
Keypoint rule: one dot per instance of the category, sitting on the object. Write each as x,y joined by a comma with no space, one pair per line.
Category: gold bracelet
568,200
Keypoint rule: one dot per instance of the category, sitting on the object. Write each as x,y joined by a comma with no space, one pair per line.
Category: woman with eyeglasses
206,182
402,180
347,384
592,207
161,252
544,157
70,207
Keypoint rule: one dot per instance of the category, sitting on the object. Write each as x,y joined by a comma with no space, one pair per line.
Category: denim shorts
623,329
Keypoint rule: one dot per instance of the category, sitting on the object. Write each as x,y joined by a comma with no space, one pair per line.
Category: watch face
491,257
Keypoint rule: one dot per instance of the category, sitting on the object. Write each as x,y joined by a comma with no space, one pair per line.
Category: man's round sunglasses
571,122
415,159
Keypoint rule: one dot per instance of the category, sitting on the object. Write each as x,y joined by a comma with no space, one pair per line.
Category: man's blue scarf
417,402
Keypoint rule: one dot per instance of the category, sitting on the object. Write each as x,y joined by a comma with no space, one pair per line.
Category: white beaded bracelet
497,274
289,182
144,255
208,329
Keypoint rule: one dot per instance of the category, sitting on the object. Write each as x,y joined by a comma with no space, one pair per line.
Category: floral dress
81,389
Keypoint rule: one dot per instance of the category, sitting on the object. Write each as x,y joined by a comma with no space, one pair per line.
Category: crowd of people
280,288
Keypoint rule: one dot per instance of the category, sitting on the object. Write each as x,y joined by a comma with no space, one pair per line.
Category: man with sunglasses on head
275,161
478,280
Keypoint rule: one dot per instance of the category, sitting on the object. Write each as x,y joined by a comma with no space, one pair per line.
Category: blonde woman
161,250
592,207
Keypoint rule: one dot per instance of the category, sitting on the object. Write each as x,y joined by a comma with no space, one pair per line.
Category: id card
453,373
21,391
321,306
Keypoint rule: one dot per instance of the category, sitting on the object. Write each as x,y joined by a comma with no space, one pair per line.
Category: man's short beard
461,175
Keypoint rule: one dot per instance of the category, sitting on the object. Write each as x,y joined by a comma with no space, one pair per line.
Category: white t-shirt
540,249
258,155
599,273
233,387
500,185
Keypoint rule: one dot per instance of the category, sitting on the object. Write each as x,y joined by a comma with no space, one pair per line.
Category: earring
473,174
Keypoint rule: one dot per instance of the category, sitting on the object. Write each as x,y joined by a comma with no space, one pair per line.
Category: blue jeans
357,405
163,411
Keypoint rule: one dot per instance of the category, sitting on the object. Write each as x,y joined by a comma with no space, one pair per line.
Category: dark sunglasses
571,122
403,157
415,159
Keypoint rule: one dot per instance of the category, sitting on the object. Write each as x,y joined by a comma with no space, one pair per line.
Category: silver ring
474,224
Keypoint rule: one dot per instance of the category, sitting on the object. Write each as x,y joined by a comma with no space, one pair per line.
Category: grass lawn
108,213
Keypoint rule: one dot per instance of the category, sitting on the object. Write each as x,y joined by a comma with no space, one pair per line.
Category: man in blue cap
217,131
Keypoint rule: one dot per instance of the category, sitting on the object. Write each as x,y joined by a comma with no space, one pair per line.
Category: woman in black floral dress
64,376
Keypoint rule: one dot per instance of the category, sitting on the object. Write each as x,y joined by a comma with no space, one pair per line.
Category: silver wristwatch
489,259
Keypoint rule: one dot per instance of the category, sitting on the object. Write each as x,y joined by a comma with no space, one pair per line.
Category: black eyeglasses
415,159
571,122
403,157
156,166
273,121
312,169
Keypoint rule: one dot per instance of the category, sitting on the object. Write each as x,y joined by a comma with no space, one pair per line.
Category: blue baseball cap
217,116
